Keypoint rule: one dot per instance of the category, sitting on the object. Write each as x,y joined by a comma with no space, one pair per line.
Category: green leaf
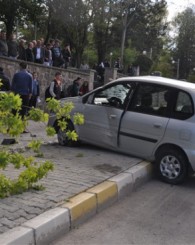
72,135
78,119
4,159
37,115
35,145
50,131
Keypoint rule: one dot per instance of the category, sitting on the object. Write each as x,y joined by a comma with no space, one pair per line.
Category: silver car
148,117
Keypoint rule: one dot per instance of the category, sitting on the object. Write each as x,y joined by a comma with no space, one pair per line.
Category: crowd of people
57,89
23,83
49,54
27,86
53,53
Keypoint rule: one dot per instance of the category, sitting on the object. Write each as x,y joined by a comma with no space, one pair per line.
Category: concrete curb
55,222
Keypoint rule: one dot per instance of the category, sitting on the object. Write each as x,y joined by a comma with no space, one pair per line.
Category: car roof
160,80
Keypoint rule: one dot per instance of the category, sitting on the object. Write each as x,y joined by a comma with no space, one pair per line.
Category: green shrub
12,124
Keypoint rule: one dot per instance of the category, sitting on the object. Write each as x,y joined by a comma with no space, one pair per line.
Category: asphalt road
156,213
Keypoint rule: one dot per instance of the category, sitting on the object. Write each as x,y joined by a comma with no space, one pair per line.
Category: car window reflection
113,96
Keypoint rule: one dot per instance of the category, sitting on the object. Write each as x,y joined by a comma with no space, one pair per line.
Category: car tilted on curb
148,117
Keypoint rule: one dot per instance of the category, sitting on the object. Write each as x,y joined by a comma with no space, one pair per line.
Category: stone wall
46,74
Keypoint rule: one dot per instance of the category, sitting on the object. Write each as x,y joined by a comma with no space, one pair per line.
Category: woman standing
84,88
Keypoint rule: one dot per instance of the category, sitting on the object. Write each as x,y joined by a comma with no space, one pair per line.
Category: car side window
184,107
113,96
151,99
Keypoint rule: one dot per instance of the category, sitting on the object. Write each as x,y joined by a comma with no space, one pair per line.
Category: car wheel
172,165
62,136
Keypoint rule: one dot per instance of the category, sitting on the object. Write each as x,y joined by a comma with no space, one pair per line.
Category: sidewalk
85,180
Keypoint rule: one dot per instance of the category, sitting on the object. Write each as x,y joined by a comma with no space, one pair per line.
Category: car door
102,112
143,124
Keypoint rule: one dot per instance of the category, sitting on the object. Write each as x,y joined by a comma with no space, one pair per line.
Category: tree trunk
9,27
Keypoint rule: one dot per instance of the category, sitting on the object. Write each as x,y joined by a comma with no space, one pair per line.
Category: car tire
171,165
62,137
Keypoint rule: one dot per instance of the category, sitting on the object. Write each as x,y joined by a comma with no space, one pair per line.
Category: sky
176,6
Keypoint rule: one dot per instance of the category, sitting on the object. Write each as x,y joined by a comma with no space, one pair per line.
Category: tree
102,27
144,63
146,26
130,55
12,12
127,10
163,64
112,23
9,10
185,42
73,18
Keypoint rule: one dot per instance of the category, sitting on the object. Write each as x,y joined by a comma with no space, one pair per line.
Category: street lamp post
149,53
178,64
111,59
16,29
178,67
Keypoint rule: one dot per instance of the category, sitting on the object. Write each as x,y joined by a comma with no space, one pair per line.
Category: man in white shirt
38,53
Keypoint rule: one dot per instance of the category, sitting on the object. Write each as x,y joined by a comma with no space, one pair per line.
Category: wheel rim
170,167
62,137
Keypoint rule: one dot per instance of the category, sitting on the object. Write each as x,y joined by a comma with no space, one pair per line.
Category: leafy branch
12,124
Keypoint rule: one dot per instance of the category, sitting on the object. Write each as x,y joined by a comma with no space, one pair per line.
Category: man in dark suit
22,85
29,52
38,51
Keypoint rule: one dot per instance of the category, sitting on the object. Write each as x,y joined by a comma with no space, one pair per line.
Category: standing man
22,85
3,44
57,54
21,50
38,51
12,46
29,52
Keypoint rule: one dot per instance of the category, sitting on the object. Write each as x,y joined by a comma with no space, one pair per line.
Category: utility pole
178,66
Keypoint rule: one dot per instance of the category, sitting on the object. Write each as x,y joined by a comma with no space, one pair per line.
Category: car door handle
112,116
156,125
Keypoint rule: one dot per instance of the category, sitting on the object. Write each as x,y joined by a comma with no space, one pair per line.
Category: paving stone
7,222
71,175
11,209
3,229
12,216
36,211
20,221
